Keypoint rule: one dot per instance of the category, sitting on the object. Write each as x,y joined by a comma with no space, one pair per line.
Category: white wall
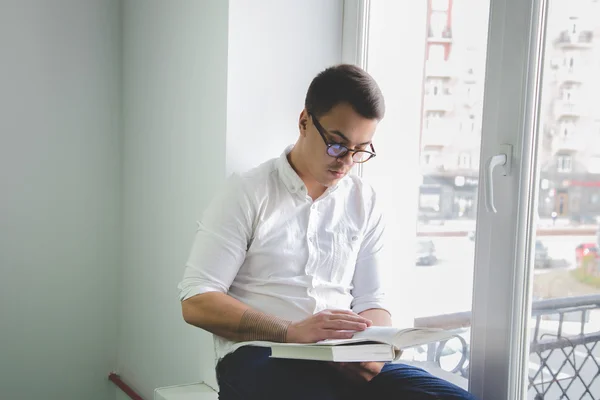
174,96
59,202
396,57
276,47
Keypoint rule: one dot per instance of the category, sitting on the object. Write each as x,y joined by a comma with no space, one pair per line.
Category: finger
345,325
351,318
336,311
333,334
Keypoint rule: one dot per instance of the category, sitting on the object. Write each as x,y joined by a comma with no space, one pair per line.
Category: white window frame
502,284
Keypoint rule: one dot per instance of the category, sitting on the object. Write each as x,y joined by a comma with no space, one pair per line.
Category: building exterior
569,140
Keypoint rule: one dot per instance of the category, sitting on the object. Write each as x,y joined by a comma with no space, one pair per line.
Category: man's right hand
327,324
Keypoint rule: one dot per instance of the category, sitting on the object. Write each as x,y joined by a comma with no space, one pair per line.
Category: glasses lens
337,150
361,156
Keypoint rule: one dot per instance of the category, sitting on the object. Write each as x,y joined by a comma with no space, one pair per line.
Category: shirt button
313,206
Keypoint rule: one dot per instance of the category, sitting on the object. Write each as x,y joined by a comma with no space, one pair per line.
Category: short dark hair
345,83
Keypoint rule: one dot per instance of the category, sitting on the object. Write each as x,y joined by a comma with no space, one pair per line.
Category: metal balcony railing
563,365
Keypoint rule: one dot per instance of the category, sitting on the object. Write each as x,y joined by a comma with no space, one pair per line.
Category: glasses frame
343,149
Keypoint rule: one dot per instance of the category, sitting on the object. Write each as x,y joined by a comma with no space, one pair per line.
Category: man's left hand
359,371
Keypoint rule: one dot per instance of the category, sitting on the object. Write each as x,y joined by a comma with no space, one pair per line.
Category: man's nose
347,159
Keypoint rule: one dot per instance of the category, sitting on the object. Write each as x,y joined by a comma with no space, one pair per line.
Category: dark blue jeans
250,374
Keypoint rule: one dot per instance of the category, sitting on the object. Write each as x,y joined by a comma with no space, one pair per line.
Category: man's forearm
227,317
379,316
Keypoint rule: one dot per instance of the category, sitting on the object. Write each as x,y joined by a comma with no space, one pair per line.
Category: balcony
439,69
570,108
571,143
436,137
563,363
440,37
581,40
571,75
441,102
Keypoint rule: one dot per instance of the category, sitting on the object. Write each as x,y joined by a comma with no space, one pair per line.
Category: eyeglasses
339,150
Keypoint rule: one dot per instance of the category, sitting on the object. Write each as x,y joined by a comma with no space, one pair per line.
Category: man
291,252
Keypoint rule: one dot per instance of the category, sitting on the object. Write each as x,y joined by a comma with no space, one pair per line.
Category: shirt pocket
345,252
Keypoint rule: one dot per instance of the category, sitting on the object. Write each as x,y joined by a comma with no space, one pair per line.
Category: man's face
341,125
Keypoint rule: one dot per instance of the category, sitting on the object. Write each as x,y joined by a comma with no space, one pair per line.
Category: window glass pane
449,90
564,353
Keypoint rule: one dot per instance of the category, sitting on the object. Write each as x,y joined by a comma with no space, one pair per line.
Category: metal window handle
503,159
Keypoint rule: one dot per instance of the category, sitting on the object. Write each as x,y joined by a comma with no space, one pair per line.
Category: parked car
542,260
584,249
426,253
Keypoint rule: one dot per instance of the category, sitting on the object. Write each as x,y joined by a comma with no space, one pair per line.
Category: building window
568,95
468,125
567,129
464,161
434,120
430,158
436,87
570,60
471,93
573,26
564,164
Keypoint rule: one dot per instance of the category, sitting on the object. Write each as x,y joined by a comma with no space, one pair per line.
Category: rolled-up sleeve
368,291
221,242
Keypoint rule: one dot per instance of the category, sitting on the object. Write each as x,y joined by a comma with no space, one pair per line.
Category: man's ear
303,122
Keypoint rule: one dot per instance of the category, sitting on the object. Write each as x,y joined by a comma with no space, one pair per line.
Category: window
568,94
570,60
431,158
434,120
467,126
471,93
573,25
435,87
447,286
564,163
429,202
464,161
567,129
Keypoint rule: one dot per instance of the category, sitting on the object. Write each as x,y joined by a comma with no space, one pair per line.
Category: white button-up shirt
266,243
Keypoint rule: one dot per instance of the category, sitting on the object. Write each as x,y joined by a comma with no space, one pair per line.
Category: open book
376,343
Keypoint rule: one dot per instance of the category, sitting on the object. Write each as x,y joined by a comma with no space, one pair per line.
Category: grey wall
59,201
174,97
119,120
210,87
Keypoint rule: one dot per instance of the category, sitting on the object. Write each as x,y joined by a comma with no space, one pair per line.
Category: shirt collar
291,179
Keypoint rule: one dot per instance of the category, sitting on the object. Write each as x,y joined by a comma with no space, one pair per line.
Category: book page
381,334
416,337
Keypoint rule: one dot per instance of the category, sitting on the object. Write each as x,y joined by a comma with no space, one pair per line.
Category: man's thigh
249,373
401,381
